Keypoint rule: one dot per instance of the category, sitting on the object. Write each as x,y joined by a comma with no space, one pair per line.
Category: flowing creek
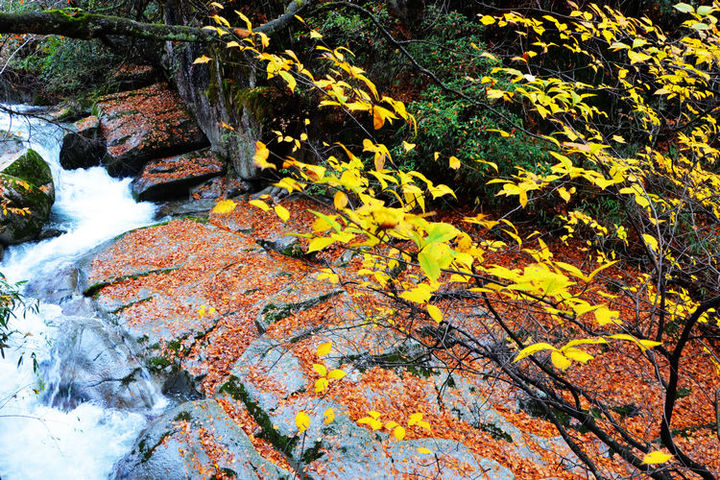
38,441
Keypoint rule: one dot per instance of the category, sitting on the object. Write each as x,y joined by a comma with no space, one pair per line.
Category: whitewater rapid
36,440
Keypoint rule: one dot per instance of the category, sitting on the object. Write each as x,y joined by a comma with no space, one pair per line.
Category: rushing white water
37,441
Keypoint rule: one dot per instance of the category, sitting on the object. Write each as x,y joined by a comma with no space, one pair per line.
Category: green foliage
66,66
11,301
456,125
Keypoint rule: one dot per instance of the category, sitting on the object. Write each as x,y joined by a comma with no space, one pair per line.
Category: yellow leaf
261,155
260,204
380,114
577,354
391,424
604,316
656,457
419,294
435,313
408,146
534,348
424,450
375,424
220,20
324,348
329,416
317,244
564,194
637,57
415,419
336,374
454,163
340,200
282,212
302,421
559,360
289,80
399,433
642,343
224,206
684,8
289,184
314,34
378,119
248,24
491,164
321,385
487,20
434,258
582,307
320,369
651,242
202,59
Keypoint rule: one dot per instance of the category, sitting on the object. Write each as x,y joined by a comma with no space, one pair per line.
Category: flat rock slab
144,124
196,440
301,295
189,289
256,354
173,177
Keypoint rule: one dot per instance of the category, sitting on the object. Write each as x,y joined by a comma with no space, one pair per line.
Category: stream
38,441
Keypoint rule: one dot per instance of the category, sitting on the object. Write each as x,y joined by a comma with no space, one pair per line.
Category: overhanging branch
86,26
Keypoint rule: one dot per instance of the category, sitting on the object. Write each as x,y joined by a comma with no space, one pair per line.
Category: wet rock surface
93,362
173,177
84,147
145,124
216,315
182,444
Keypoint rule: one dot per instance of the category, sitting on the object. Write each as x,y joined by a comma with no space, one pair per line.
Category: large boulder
196,440
84,146
26,195
173,177
93,362
143,124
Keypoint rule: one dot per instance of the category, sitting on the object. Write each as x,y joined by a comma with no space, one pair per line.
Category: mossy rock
26,195
28,166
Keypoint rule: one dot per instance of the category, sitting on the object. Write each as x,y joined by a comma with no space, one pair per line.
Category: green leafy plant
11,300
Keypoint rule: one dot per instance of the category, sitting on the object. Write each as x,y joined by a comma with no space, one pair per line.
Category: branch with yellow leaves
75,23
